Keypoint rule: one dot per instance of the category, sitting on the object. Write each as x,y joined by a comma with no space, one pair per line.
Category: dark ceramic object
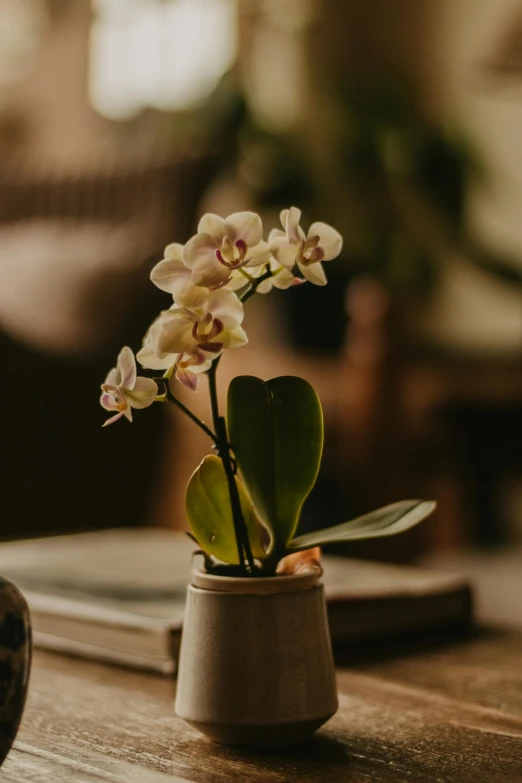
15,662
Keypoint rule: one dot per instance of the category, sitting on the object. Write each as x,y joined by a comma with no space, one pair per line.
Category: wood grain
451,713
71,763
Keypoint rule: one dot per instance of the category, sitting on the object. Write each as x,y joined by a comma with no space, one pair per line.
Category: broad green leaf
276,430
209,511
386,521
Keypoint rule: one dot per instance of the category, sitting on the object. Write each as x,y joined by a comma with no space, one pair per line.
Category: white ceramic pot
256,663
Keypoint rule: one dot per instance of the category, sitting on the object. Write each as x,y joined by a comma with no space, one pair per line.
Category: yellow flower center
121,405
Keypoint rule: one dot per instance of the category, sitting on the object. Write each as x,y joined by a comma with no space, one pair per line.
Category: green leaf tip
386,521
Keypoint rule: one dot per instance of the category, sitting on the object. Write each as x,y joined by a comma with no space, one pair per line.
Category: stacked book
119,595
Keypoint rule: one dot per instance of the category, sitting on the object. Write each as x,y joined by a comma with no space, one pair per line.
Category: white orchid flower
147,356
186,367
209,328
189,368
124,389
281,278
293,246
223,245
171,275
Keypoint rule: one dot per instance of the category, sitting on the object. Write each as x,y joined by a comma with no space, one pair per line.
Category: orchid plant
244,501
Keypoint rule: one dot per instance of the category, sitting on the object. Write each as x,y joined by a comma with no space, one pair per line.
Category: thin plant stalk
240,529
192,416
255,285
220,439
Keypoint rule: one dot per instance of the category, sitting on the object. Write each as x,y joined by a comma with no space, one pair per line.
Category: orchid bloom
205,329
292,246
186,367
189,368
124,390
223,245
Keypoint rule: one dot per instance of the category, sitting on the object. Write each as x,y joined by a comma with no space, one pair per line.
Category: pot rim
287,583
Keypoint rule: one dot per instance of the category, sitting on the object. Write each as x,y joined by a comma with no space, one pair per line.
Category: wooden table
451,711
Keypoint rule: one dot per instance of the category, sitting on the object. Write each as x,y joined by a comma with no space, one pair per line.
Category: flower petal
203,367
260,254
233,338
173,336
284,252
226,306
314,273
214,226
200,256
285,279
276,232
265,287
246,226
112,377
237,281
187,378
210,355
147,358
329,239
194,297
106,387
144,393
126,366
208,272
173,252
199,248
171,275
113,419
293,216
197,361
108,402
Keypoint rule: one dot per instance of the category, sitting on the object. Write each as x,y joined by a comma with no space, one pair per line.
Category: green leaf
386,521
276,430
207,502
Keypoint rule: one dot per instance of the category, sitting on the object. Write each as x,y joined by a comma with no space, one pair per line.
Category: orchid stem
248,277
201,424
255,284
240,528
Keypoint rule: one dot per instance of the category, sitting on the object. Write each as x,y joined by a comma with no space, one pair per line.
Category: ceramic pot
255,663
15,662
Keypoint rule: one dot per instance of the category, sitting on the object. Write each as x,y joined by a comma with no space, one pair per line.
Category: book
119,595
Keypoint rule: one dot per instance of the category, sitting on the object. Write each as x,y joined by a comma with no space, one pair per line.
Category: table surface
448,711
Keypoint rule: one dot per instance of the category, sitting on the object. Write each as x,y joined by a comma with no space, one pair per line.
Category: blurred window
163,54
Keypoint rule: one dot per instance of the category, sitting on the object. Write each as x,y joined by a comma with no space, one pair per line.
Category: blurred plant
407,182
396,182
273,433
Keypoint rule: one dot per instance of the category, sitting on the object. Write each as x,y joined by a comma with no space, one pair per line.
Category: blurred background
121,121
